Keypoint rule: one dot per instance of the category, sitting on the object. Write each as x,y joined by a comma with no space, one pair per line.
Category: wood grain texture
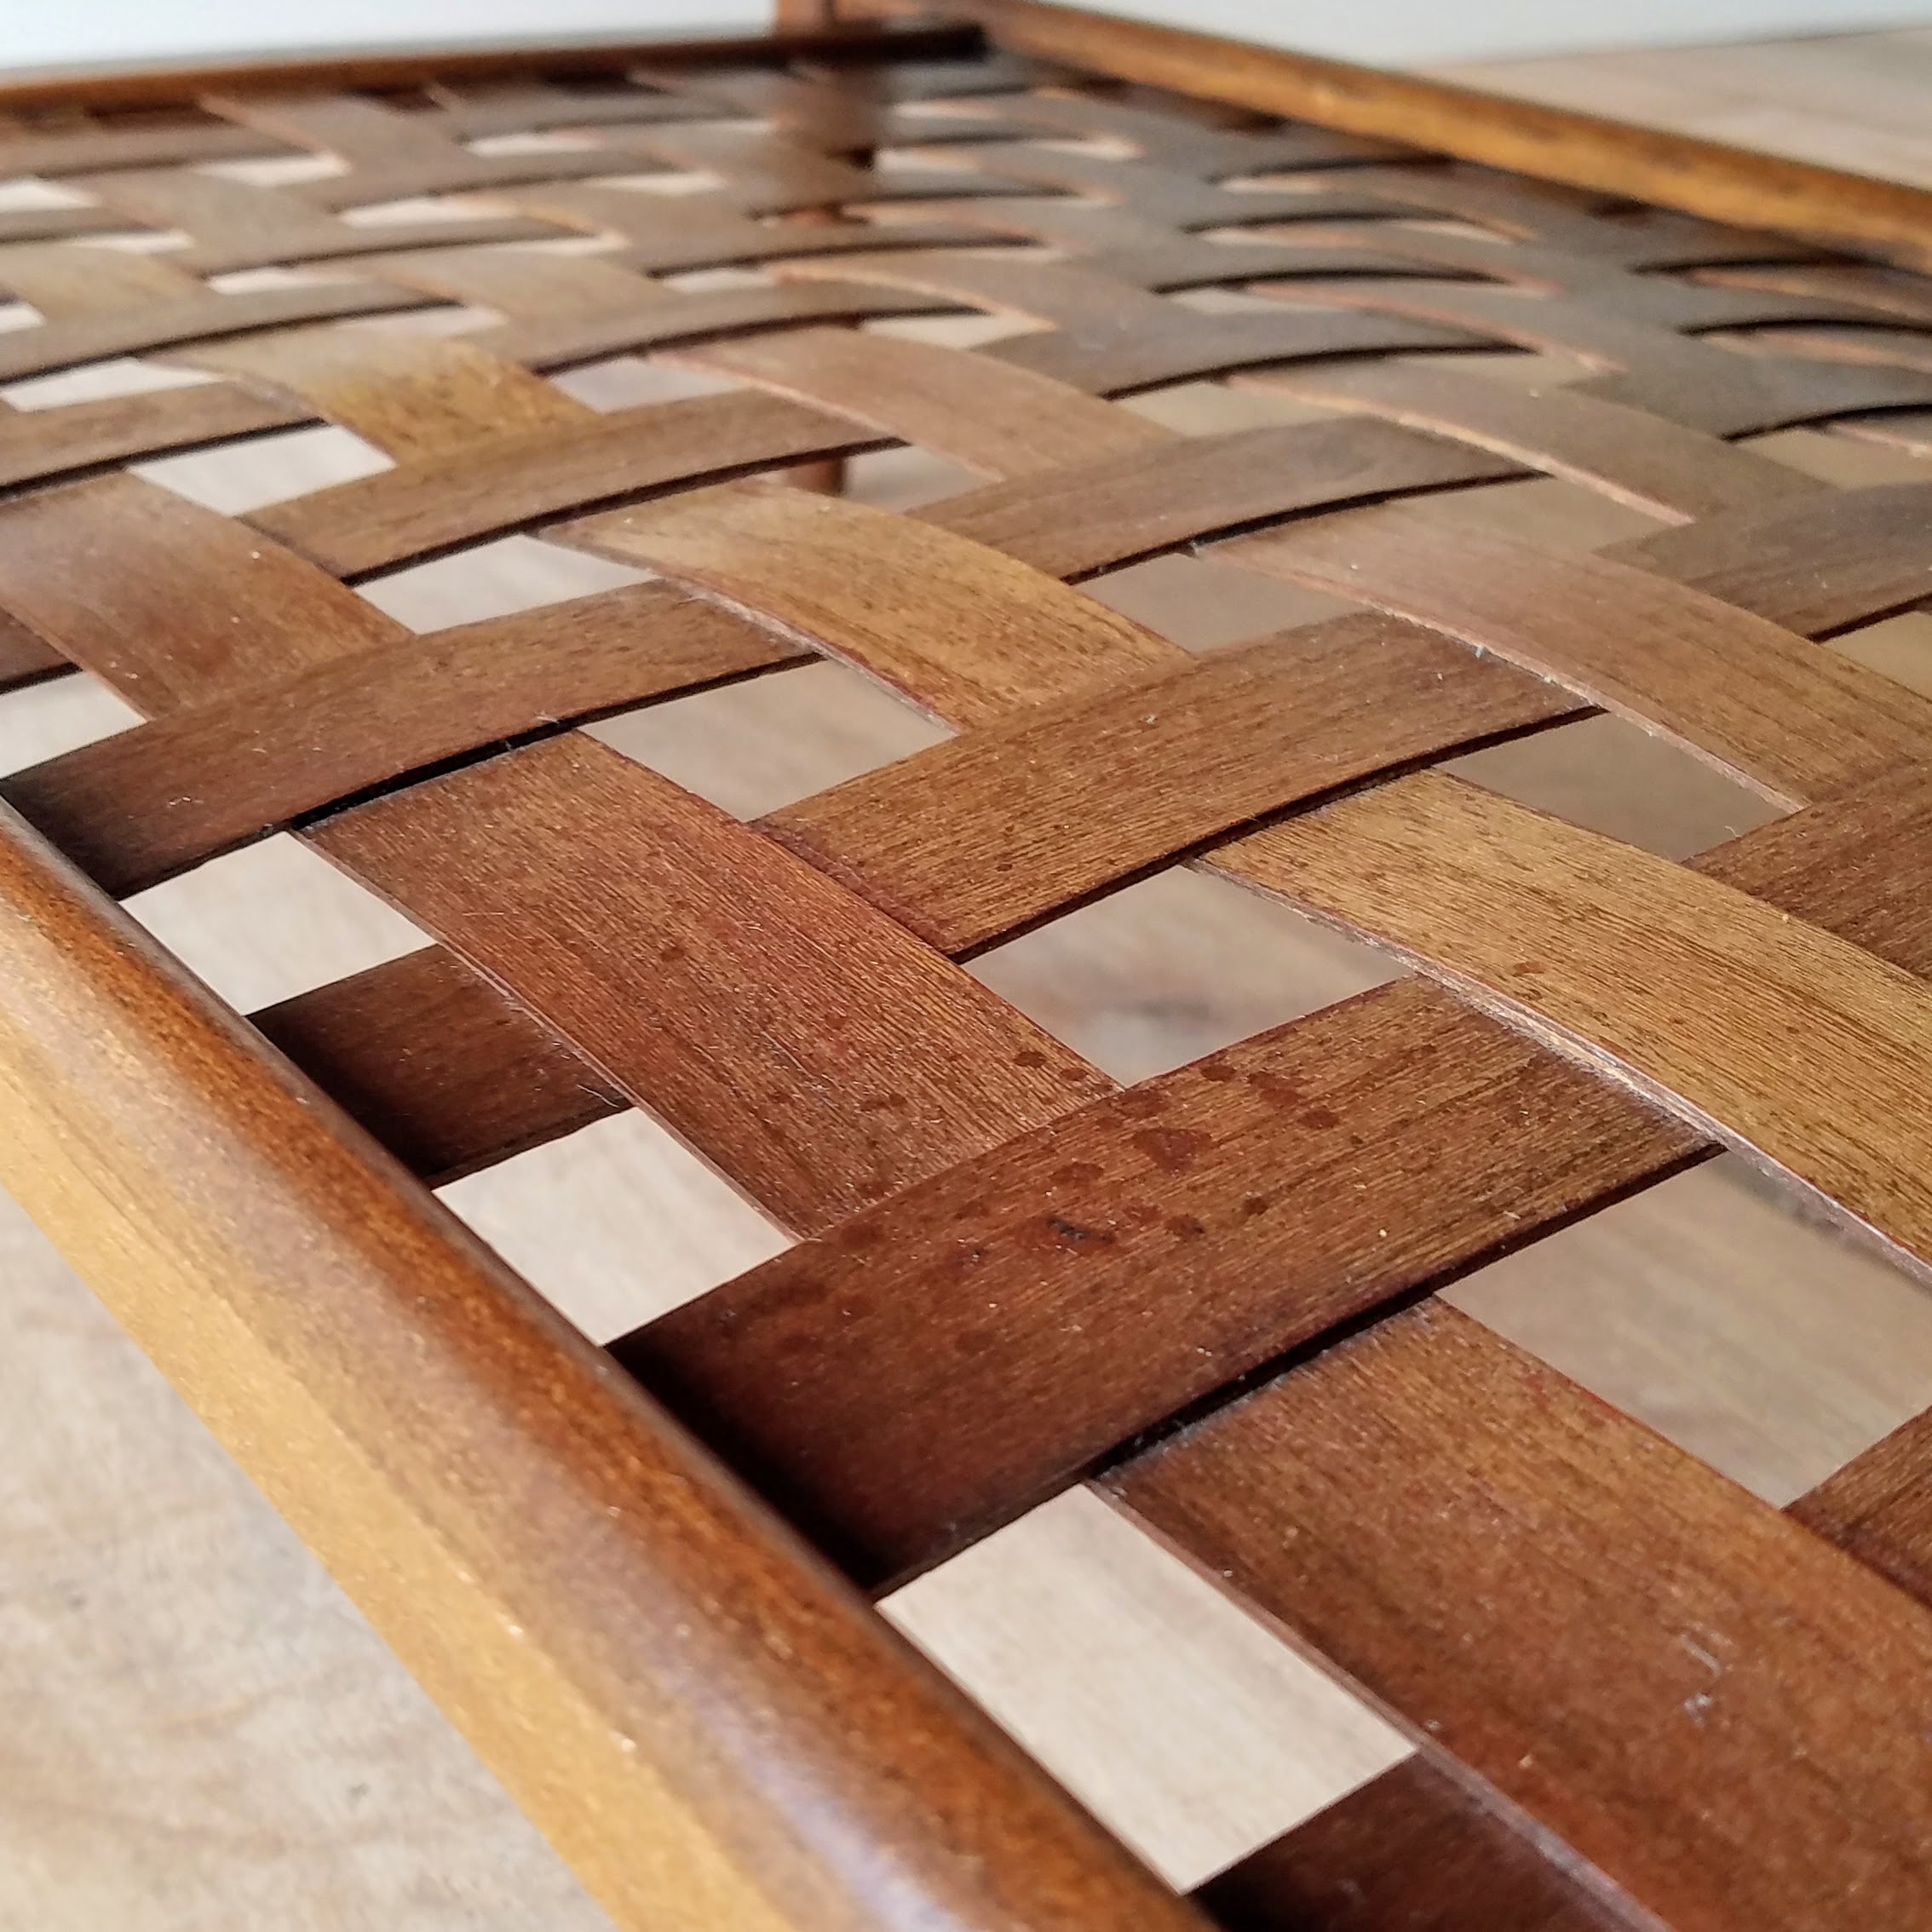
1713,1706
957,1354
1756,700
420,510
974,839
853,580
1631,456
1409,1850
474,1505
1704,177
1799,1047
1013,1273
130,812
819,1053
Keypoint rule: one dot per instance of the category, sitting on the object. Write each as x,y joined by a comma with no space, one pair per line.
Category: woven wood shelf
637,1577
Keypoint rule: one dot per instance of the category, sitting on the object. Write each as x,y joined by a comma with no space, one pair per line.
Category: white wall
1393,32
1416,32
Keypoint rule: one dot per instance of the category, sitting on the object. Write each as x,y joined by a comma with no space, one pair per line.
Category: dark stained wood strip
419,399
448,1074
1410,1849
856,581
1391,1143
240,225
991,418
185,86
133,809
202,317
1717,1709
960,1352
1817,566
25,658
1073,521
1631,454
556,341
811,1048
976,837
744,1744
144,622
422,510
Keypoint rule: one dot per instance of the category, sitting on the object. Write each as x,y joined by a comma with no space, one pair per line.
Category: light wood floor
1856,100
200,1734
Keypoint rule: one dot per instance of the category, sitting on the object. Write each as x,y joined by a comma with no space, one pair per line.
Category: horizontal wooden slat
1794,1043
808,1046
1716,1708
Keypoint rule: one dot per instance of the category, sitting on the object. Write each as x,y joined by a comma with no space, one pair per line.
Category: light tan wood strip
1631,454
1772,1033
416,398
991,417
1799,721
861,582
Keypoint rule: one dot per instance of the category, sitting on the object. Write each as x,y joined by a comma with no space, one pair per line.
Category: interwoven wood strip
1639,1695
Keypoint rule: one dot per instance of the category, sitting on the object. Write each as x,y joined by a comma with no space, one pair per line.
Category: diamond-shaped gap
238,477
1204,605
750,748
1613,776
92,382
273,920
492,579
622,381
1174,967
41,721
1728,1316
650,1225
1182,1722
1900,647
1842,460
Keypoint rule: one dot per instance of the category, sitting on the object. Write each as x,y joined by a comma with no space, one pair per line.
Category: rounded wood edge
712,1728
1891,219
150,86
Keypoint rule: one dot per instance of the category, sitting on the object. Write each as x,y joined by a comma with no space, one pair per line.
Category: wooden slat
201,318
182,85
999,421
1717,1709
41,444
1633,456
971,840
743,1745
856,580
1798,721
420,510
1019,1316
1559,144
1412,1849
147,624
1796,1045
130,810
810,1047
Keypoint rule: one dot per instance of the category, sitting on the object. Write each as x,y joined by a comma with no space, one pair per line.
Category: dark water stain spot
1172,1149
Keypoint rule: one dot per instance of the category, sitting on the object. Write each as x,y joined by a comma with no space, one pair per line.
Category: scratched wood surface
206,1732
